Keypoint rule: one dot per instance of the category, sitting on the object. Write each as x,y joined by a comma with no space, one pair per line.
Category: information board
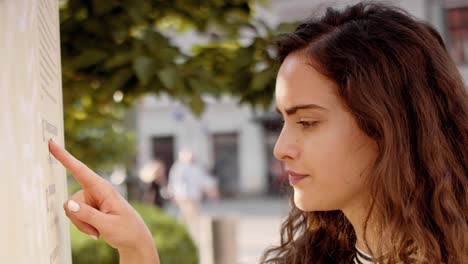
33,227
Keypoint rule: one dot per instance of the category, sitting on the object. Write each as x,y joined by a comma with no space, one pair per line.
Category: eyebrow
294,109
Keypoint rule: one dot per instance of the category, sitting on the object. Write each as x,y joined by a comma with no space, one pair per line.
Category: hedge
172,239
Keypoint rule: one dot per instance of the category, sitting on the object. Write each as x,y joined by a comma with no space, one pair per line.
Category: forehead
299,83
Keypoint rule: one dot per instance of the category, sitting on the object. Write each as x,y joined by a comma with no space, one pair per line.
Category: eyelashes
308,124
303,123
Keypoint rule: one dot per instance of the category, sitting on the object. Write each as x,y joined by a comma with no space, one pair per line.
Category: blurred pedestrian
189,183
153,176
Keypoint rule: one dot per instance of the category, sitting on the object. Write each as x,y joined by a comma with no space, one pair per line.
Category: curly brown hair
396,78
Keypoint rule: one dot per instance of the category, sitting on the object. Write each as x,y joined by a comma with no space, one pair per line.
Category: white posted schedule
33,226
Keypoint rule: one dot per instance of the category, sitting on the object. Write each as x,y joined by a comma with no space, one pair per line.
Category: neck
366,240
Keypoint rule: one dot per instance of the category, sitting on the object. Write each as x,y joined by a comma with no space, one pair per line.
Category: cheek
327,150
340,149
336,159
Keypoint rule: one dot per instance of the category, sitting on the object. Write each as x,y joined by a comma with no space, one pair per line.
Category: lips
295,177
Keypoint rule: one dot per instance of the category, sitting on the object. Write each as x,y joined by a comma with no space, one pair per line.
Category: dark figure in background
153,175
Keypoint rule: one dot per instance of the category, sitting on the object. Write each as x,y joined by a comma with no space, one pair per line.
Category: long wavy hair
396,78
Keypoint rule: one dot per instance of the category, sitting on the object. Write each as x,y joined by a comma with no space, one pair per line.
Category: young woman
374,139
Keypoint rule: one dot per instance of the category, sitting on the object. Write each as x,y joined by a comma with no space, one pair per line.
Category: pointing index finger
85,176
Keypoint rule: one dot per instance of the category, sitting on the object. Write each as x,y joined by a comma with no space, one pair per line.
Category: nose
286,147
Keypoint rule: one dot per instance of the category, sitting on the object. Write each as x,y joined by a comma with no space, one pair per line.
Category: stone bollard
218,239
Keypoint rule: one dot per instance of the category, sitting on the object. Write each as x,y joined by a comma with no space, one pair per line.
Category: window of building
163,149
226,163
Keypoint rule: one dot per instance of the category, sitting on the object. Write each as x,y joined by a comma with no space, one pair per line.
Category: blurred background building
236,142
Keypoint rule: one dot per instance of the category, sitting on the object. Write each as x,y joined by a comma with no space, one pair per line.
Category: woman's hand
100,211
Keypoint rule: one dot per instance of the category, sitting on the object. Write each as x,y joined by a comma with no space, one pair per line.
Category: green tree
117,50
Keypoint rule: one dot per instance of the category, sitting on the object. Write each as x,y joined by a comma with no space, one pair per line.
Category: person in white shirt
189,183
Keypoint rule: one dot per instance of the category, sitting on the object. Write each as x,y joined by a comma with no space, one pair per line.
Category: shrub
172,239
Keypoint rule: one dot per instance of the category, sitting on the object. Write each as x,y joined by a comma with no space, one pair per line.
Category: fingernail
73,206
93,237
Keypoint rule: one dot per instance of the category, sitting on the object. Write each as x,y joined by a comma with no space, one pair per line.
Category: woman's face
319,140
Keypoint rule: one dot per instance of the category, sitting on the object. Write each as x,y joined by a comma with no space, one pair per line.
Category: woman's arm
99,210
141,255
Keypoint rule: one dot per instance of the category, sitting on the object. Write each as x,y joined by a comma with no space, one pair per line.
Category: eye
307,124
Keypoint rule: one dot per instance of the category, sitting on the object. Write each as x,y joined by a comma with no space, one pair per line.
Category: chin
301,202
309,204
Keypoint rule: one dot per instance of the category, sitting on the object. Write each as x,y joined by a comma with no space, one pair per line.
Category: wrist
145,253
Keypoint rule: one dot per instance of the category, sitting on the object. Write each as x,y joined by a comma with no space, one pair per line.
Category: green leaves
125,46
168,77
89,57
262,79
196,104
121,78
119,59
103,7
144,68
